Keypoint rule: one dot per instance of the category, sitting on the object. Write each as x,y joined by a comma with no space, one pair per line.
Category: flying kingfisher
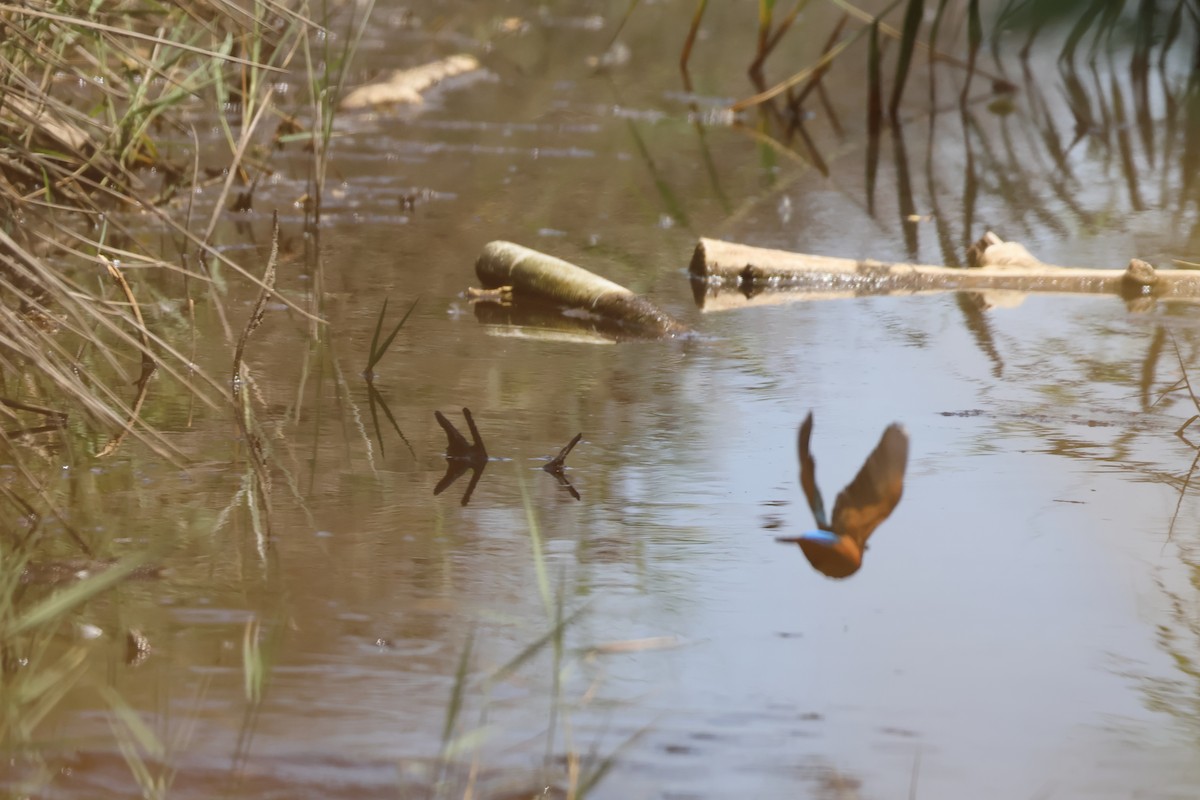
837,548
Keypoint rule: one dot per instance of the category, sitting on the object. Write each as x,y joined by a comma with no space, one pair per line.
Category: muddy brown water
1025,624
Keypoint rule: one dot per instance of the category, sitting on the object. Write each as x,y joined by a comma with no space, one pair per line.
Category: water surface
1023,625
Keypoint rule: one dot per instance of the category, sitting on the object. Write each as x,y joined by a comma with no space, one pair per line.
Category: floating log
407,86
538,277
758,275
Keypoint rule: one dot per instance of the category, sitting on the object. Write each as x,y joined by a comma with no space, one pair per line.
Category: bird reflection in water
837,548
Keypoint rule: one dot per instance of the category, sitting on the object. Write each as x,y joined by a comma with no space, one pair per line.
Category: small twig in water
461,455
1192,469
1188,385
555,465
457,446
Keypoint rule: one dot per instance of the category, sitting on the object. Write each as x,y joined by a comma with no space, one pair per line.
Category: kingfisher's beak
827,538
832,555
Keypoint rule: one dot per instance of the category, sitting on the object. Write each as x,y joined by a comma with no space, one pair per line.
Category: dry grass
88,94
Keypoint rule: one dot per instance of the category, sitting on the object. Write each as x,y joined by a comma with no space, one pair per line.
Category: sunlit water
1023,626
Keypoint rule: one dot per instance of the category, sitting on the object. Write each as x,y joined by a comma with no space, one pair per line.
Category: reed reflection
836,549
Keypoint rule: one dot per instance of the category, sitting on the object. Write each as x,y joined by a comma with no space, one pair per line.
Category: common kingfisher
837,548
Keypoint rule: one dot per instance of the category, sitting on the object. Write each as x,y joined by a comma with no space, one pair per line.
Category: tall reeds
94,100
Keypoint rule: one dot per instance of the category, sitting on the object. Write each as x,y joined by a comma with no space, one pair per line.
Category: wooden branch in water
405,86
457,445
759,275
539,277
555,465
462,455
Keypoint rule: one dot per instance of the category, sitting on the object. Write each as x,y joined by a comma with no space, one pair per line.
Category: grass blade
456,694
594,776
633,4
974,40
1067,54
60,603
766,9
1172,33
371,359
535,541
936,27
240,387
670,200
1106,28
373,398
254,671
25,11
874,84
1143,38
774,37
815,81
874,113
377,398
533,649
690,41
908,41
904,193
377,353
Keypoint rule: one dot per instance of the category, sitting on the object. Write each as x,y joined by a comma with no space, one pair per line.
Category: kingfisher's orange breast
838,560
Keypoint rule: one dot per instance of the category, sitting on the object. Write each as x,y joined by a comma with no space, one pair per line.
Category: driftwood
407,86
462,455
728,275
536,277
557,466
457,446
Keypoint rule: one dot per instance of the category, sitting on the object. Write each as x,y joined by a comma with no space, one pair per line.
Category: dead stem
241,376
1192,469
148,364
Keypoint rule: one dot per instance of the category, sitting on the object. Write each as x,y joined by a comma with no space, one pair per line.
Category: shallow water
1023,625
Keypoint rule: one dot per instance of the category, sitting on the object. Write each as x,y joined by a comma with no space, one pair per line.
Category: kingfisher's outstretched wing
875,490
808,475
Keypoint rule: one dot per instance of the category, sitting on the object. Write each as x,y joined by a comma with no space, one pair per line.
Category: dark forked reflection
557,466
837,548
461,455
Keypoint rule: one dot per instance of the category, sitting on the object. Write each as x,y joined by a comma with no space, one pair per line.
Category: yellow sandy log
729,275
406,86
538,277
